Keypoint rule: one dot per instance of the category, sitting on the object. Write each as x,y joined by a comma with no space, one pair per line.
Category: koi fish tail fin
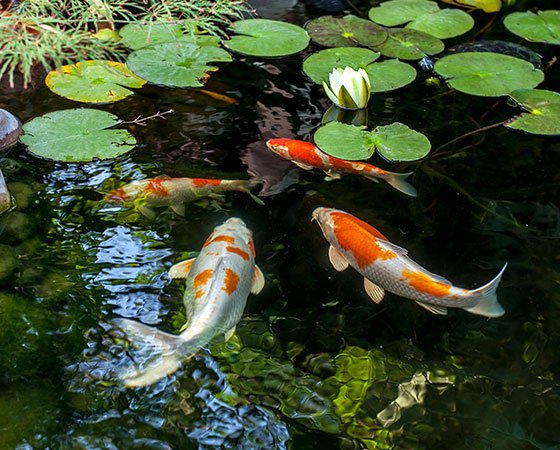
156,354
488,305
399,182
246,187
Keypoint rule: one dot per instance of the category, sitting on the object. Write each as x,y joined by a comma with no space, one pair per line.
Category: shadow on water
314,362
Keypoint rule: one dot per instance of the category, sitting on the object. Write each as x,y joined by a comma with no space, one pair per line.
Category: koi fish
386,267
307,156
175,192
218,283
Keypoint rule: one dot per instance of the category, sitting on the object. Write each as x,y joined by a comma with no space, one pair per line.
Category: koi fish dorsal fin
258,281
395,248
181,270
162,177
337,259
440,310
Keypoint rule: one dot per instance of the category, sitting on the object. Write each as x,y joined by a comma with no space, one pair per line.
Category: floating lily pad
389,75
344,141
397,12
502,47
541,27
347,31
397,142
409,44
443,24
176,64
269,38
77,135
394,142
93,81
488,6
140,35
543,111
487,74
319,65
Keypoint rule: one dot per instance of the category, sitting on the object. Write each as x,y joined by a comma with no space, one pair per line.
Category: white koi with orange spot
386,267
175,192
218,283
307,156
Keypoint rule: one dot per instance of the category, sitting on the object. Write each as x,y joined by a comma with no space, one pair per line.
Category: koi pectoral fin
331,175
302,165
337,259
375,292
258,281
228,334
178,208
181,269
440,310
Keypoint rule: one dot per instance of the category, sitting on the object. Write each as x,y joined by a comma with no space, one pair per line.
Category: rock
10,129
5,198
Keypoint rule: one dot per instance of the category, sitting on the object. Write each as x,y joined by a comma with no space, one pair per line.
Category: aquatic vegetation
347,31
77,135
542,26
543,111
348,88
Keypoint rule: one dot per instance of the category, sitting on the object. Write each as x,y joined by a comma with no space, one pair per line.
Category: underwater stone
10,129
8,262
15,227
5,198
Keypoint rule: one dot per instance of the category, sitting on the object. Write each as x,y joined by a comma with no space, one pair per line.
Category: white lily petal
365,76
335,79
332,96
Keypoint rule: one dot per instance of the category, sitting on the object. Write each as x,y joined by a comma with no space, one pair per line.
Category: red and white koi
218,282
386,267
175,192
307,156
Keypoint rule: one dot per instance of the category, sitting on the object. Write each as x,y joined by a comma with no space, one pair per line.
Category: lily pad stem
471,133
142,121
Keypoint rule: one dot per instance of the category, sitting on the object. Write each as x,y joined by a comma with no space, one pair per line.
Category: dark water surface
314,363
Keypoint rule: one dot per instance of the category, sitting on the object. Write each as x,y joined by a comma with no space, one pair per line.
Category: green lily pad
343,141
394,142
397,142
176,64
543,111
140,35
77,135
389,75
269,38
541,27
397,12
319,65
443,24
93,81
487,74
409,44
347,31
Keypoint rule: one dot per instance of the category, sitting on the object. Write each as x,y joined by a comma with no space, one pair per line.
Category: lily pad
389,75
397,142
269,38
488,6
543,111
77,135
541,27
344,141
487,74
397,12
319,65
93,81
176,64
347,31
394,142
443,24
140,35
409,44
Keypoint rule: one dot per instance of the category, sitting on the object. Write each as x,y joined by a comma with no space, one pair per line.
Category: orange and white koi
386,267
218,282
307,156
175,192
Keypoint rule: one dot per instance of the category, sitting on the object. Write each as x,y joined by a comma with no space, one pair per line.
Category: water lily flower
348,88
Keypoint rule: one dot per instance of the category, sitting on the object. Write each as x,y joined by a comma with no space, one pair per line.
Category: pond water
314,363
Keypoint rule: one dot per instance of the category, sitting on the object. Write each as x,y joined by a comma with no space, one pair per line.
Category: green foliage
487,74
93,81
389,75
347,31
543,111
268,38
319,65
394,142
409,44
76,135
423,15
177,65
544,26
